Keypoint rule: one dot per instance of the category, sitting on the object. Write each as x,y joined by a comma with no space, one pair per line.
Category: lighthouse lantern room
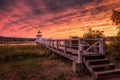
38,36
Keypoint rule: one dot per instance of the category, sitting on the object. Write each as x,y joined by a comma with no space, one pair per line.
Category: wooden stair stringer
103,73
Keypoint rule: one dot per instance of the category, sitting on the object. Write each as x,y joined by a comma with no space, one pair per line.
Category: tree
93,34
114,49
116,19
74,37
114,46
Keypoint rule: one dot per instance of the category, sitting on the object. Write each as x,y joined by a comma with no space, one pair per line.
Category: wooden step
98,61
92,57
91,54
113,77
103,67
109,73
60,50
71,53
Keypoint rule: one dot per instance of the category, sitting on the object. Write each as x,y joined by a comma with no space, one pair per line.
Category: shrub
113,49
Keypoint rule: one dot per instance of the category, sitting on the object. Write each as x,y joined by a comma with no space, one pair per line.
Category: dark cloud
37,11
61,5
6,5
35,6
99,1
62,16
28,15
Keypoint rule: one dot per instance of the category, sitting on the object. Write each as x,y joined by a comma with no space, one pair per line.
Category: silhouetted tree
116,19
93,34
114,47
74,37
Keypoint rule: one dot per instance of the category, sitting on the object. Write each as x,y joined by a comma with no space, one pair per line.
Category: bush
93,34
113,49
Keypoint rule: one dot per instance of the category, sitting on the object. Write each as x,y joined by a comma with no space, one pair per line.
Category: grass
17,52
34,62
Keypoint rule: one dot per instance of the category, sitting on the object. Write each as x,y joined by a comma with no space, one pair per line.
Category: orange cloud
56,18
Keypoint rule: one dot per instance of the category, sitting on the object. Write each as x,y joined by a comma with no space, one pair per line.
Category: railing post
57,44
70,43
80,51
46,43
52,43
79,66
101,46
64,46
49,43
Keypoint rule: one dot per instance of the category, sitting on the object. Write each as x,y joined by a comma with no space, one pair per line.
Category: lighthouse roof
39,34
39,31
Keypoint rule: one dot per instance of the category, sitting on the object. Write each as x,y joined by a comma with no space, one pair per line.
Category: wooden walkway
73,49
89,52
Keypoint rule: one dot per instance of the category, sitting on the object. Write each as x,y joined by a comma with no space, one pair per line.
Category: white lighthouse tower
38,36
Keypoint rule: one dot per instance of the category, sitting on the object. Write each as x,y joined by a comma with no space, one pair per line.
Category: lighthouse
38,36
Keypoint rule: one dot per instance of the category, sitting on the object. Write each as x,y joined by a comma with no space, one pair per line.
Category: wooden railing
74,49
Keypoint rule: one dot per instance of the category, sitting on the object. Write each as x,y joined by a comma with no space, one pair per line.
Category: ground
37,69
47,67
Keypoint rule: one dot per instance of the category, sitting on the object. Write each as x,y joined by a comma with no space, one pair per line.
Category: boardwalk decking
74,48
90,52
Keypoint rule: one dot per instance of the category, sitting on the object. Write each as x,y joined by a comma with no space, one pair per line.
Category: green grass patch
32,62
20,69
21,52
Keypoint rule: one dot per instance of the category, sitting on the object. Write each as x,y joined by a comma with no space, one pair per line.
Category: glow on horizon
56,18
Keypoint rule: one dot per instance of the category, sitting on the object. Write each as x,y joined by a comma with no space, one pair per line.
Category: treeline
4,39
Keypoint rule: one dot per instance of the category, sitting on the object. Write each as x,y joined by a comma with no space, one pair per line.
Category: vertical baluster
57,44
80,51
53,43
101,46
70,43
64,46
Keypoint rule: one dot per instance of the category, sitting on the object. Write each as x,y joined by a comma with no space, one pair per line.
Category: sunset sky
56,18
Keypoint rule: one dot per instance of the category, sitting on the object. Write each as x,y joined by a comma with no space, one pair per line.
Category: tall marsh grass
20,52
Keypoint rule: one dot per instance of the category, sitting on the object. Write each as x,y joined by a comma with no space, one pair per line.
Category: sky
56,18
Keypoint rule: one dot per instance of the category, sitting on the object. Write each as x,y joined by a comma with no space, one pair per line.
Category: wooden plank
54,45
69,50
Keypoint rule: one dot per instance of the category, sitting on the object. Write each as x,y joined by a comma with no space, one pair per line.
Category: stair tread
108,71
90,55
102,65
97,60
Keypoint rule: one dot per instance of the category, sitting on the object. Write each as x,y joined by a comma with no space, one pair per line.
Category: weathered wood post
102,46
57,44
80,51
64,46
0,40
52,43
49,43
70,43
46,43
79,65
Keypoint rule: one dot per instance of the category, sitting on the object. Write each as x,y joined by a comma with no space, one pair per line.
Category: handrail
76,46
